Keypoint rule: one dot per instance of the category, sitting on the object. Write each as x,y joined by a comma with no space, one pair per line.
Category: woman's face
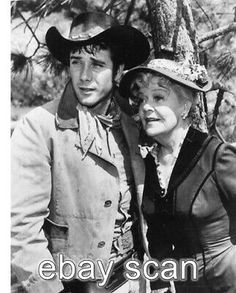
160,107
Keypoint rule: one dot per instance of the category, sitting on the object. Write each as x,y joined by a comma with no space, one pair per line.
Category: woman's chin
153,132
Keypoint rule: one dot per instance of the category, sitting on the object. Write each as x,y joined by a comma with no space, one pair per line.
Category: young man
76,167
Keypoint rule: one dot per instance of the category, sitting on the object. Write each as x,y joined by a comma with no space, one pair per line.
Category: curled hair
140,80
143,79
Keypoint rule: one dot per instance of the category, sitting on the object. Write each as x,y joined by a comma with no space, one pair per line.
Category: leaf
79,6
225,63
48,62
20,63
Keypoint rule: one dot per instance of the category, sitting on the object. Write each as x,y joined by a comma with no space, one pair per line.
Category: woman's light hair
143,79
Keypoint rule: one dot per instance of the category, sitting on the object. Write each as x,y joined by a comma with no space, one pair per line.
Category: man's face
92,76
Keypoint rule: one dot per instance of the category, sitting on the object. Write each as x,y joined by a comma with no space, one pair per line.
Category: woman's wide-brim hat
191,75
94,27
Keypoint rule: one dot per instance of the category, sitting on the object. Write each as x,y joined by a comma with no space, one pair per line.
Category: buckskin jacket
197,216
58,194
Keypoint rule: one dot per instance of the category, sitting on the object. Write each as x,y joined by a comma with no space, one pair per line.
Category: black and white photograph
123,146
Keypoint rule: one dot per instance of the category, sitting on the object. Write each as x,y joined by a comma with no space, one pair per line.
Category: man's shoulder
51,106
42,117
40,113
44,113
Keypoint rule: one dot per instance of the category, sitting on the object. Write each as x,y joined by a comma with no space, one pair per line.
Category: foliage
218,53
43,87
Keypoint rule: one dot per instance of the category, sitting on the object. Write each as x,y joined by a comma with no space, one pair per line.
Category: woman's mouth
152,119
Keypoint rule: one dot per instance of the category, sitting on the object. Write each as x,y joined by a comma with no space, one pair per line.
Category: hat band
77,35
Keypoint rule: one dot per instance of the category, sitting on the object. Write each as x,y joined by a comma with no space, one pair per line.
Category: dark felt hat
94,27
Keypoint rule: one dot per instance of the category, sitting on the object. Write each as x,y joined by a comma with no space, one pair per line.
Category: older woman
190,187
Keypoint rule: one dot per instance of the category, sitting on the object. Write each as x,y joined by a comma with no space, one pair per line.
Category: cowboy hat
94,27
188,74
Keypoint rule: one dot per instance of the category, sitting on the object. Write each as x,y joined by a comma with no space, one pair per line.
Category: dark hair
117,51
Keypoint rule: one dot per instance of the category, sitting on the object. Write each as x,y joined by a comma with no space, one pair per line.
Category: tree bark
173,30
174,37
218,32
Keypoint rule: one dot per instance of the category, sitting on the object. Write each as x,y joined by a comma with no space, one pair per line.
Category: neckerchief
92,127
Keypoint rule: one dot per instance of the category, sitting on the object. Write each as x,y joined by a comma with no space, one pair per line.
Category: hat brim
124,87
127,37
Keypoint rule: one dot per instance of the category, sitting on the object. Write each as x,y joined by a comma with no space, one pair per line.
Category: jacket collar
67,114
67,117
192,148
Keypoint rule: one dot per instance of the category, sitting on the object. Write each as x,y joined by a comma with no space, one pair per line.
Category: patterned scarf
93,127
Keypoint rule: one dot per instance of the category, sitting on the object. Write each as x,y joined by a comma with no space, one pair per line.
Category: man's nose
86,73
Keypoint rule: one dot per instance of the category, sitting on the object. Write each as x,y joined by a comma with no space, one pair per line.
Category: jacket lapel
132,135
192,148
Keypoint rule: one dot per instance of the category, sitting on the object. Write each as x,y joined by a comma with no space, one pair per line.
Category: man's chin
87,101
92,102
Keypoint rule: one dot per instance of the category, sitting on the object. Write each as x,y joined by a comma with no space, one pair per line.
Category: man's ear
118,73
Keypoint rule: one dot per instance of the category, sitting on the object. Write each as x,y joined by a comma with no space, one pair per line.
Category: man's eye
97,65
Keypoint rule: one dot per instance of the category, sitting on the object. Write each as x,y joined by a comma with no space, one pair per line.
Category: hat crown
95,28
186,69
186,73
87,25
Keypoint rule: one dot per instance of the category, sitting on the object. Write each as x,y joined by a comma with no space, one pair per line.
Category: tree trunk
174,37
173,30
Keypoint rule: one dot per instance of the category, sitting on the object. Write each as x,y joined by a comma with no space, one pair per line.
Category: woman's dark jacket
197,217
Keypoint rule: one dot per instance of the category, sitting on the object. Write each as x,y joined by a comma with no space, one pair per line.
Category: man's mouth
86,90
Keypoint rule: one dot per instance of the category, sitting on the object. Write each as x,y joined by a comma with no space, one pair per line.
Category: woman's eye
158,98
138,100
75,62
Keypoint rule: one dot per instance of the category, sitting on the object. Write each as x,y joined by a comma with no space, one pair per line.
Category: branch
202,50
129,12
109,6
34,31
219,99
217,85
29,27
218,32
207,16
33,34
215,130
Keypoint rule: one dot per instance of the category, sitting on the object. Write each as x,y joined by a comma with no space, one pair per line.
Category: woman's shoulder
225,157
225,169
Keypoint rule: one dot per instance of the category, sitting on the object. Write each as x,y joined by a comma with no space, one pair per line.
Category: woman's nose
86,73
147,106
